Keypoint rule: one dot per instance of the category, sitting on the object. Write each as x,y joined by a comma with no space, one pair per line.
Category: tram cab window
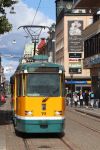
44,84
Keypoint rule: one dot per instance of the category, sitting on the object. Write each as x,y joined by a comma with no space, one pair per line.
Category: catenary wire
36,11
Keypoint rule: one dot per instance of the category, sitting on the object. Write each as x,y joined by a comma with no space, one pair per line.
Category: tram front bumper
40,126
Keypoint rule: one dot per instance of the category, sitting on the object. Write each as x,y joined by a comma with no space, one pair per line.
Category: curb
97,115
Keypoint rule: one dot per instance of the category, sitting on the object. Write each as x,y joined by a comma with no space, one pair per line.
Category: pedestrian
91,98
86,98
81,99
99,103
75,98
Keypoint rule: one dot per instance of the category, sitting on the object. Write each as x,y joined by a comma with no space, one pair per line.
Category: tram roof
30,66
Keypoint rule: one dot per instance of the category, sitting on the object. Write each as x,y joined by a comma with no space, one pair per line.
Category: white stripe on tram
39,118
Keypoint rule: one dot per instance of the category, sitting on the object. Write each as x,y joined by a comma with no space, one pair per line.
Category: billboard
75,41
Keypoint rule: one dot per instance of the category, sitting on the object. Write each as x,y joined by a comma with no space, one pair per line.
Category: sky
13,42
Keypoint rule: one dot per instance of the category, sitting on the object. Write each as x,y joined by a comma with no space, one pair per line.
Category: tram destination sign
43,69
75,42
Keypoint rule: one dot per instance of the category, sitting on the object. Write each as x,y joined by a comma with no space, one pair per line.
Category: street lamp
14,42
71,76
12,11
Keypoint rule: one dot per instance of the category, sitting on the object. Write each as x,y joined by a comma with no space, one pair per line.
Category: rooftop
87,4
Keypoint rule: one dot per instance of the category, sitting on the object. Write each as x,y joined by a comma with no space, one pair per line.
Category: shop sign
75,70
75,65
75,55
75,41
74,59
78,82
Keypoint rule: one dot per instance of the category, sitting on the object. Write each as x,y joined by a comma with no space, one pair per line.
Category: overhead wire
34,19
36,11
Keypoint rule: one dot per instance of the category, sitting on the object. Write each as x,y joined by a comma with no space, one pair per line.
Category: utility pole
35,42
71,76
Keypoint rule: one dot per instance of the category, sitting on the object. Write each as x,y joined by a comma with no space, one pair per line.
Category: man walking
86,98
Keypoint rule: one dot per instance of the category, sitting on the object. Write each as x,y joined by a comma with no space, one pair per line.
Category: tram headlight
57,113
29,113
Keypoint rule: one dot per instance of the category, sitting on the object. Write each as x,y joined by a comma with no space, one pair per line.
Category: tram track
93,117
32,144
70,145
84,114
94,130
27,147
84,125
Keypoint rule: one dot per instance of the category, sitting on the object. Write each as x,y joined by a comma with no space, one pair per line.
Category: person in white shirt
81,98
75,98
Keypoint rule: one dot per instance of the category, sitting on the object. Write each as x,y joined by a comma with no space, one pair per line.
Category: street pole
34,47
71,75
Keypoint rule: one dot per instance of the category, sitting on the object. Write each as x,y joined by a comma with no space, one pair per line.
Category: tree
5,26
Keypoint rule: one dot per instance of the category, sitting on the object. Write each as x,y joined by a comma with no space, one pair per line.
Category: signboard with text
75,65
75,70
75,55
75,42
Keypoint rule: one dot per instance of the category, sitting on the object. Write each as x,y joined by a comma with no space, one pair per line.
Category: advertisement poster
75,41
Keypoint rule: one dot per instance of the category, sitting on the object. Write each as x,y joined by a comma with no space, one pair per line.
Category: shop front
78,85
94,64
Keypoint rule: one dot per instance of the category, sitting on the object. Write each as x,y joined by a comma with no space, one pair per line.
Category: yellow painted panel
34,104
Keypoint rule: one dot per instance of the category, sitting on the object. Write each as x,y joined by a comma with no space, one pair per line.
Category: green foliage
5,26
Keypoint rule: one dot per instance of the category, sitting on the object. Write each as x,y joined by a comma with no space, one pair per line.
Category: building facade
69,44
92,43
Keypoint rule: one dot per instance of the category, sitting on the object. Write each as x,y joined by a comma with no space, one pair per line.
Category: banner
75,42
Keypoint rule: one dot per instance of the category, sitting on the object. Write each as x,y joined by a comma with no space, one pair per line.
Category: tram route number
43,113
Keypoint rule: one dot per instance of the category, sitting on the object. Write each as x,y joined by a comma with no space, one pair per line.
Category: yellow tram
38,101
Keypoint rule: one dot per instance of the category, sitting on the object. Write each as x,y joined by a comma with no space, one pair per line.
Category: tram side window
19,85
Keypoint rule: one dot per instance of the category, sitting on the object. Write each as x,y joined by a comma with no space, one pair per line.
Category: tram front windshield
43,85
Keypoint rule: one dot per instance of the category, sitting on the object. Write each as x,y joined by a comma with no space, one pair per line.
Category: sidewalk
95,112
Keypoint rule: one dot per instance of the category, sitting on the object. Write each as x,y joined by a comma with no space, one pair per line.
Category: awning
41,44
